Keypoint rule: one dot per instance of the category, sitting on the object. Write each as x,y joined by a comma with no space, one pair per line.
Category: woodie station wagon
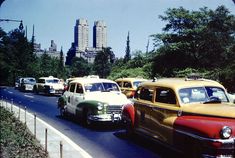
193,116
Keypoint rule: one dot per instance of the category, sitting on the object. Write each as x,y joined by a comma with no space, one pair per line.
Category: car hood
215,109
56,86
111,98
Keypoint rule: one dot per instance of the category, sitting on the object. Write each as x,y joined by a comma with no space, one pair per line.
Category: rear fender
61,102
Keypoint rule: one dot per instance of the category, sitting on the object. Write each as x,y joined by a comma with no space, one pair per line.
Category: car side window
79,89
165,95
72,87
127,85
41,81
119,83
146,94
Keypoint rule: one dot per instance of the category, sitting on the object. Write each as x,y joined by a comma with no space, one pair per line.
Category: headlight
100,106
226,132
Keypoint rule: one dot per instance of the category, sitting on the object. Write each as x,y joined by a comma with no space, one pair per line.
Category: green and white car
93,100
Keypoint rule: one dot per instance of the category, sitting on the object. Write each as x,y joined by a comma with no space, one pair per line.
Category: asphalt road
101,141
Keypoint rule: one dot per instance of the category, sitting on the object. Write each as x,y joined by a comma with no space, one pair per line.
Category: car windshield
29,80
102,86
52,81
201,94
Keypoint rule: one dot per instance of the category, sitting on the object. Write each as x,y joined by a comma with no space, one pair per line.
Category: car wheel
35,90
63,112
88,120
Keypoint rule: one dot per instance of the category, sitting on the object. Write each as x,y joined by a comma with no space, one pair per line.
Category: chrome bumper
106,117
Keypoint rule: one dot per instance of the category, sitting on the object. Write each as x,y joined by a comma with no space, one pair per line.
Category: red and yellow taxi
193,116
129,85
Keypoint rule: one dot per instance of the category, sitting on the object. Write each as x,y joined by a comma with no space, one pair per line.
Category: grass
16,140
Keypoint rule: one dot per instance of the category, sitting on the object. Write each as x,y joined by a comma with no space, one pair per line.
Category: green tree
80,67
139,60
61,69
127,56
103,62
16,56
193,39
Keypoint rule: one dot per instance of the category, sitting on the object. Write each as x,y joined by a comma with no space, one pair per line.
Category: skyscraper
81,33
80,48
99,34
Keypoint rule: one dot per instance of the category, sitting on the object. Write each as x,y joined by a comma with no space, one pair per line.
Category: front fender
88,104
203,126
128,112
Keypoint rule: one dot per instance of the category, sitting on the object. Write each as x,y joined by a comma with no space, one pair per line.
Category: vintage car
49,85
193,116
27,84
129,85
18,82
93,100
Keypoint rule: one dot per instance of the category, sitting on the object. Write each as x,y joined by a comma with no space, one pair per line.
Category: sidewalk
58,145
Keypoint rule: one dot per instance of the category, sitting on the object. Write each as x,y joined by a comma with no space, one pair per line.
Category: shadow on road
155,147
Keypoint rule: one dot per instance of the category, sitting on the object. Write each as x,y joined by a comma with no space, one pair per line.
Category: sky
55,19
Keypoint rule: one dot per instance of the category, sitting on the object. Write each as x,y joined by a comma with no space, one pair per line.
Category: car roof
28,78
178,83
91,80
130,79
50,77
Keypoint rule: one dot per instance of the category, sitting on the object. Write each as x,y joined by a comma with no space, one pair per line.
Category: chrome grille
114,109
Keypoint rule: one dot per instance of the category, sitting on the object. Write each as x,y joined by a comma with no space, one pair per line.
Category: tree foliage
201,40
127,56
138,66
103,62
80,67
18,60
16,56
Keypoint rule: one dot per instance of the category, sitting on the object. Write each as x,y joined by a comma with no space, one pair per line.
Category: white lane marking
29,96
10,92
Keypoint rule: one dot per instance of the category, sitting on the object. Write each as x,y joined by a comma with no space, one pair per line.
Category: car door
143,106
69,95
77,97
163,114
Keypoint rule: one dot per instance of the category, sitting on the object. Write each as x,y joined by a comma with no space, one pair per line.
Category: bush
16,140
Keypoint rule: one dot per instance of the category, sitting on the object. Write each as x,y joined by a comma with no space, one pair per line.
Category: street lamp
21,27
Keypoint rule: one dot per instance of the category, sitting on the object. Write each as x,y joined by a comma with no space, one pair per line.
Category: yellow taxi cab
129,85
194,116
